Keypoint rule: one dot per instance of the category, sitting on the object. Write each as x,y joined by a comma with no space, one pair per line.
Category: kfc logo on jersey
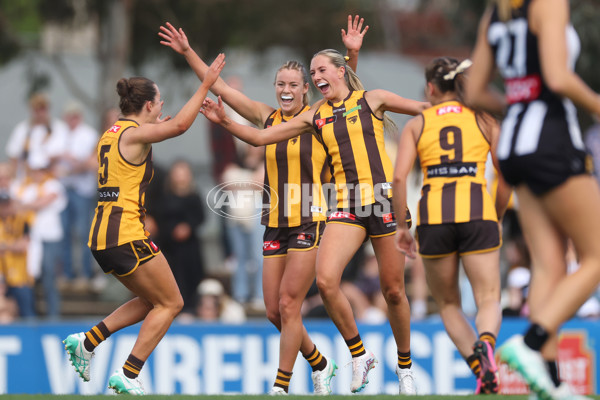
387,218
324,121
342,215
114,128
449,109
271,245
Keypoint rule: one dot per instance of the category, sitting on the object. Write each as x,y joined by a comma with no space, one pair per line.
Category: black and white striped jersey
537,120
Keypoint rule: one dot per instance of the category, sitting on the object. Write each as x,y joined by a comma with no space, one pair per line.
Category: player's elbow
398,180
557,82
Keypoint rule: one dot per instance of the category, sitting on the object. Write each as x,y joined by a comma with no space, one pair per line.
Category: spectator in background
244,232
224,153
39,137
180,213
45,196
213,304
76,167
17,283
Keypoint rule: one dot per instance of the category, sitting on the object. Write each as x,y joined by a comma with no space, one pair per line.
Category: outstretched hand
214,112
174,38
165,119
405,243
354,37
214,70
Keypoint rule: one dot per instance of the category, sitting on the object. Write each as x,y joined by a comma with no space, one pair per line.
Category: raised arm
353,39
382,100
478,92
254,111
157,132
549,20
407,154
300,124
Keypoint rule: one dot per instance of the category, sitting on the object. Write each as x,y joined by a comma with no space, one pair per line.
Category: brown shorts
377,223
124,259
278,241
437,241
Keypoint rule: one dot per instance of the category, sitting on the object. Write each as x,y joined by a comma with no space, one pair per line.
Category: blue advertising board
225,359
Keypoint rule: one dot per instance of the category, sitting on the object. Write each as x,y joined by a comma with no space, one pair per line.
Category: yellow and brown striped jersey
120,214
293,175
453,151
353,139
13,265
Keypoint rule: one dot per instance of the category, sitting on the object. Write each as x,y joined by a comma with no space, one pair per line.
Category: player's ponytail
446,73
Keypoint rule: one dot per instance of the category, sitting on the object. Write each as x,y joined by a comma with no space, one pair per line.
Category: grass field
257,397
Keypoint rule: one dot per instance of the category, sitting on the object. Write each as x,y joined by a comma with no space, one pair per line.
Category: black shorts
542,173
441,240
124,259
278,241
377,219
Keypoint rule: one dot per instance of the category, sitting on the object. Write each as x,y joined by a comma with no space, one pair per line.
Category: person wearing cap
215,305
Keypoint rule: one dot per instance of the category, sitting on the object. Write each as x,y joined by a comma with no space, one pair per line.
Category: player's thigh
483,271
299,273
338,245
441,274
154,282
575,207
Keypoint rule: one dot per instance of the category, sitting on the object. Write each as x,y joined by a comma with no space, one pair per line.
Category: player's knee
288,306
394,295
274,316
327,287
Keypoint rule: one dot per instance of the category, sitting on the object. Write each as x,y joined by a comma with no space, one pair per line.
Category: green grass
257,397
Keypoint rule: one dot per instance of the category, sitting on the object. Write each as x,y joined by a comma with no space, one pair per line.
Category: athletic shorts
373,218
277,241
542,173
124,259
441,240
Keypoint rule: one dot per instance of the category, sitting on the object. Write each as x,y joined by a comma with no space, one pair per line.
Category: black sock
488,337
474,364
355,345
95,336
316,360
404,360
553,369
133,367
535,337
283,380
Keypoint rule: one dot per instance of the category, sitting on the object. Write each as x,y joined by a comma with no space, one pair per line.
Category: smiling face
328,78
290,90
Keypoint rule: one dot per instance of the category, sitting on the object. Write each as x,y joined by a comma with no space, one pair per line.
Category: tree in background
431,28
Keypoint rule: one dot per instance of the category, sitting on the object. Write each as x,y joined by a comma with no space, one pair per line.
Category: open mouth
286,99
323,86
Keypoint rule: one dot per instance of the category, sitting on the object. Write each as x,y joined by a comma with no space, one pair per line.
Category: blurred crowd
47,200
